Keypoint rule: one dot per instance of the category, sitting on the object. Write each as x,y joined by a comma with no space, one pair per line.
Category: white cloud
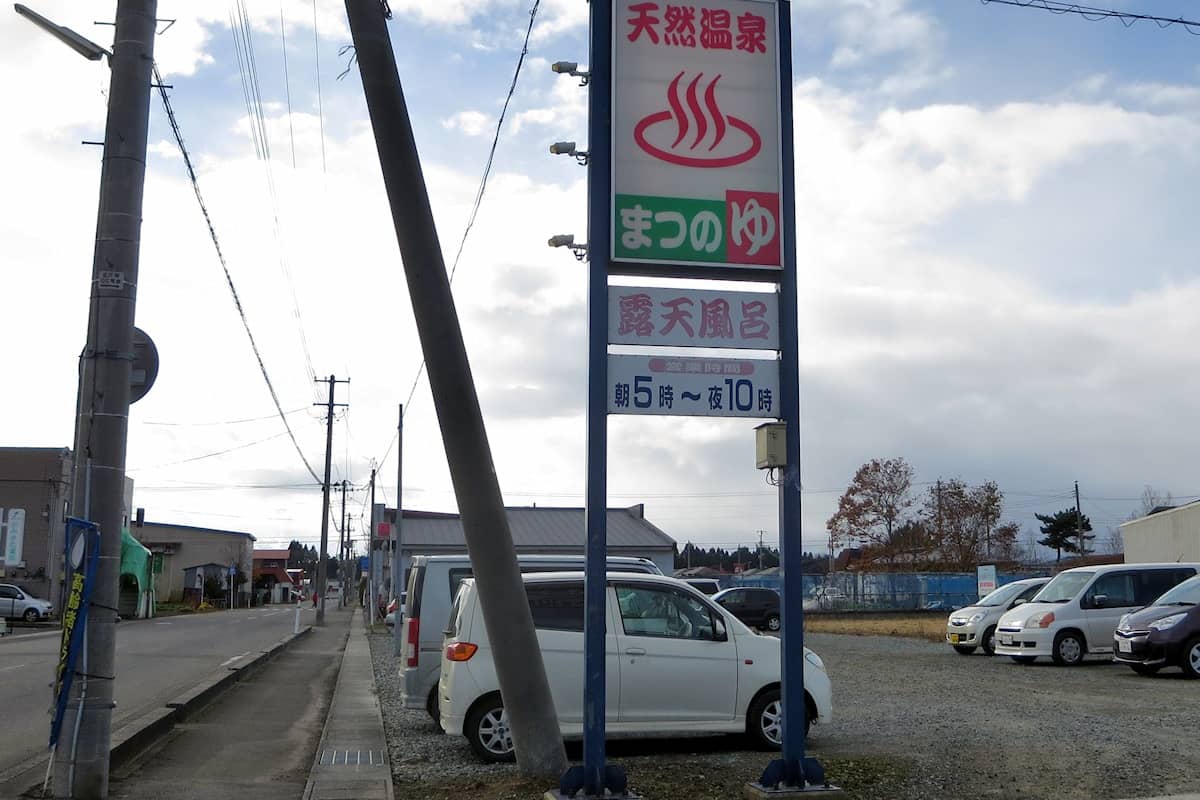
472,123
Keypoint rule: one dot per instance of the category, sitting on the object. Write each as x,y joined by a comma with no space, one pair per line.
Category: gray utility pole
342,532
760,553
1079,522
322,558
519,667
398,579
371,557
102,420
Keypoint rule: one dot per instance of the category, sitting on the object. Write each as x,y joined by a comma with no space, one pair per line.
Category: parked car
16,603
974,626
397,603
1164,634
432,584
708,586
758,608
686,665
1077,612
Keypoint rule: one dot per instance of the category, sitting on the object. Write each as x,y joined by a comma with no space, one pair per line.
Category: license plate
954,638
1125,646
1007,642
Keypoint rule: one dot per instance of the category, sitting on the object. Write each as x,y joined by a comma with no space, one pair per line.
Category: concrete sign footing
756,791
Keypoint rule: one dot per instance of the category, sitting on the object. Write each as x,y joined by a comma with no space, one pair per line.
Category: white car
16,603
1077,612
975,626
676,663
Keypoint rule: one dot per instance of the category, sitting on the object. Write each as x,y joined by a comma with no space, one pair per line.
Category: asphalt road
156,660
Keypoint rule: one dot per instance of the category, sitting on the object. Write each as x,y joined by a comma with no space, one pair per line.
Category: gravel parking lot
912,720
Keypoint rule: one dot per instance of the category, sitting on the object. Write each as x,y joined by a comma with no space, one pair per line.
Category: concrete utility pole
519,667
1079,522
342,532
102,421
322,558
371,557
397,561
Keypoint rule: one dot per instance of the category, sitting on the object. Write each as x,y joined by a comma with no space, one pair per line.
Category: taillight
460,651
414,642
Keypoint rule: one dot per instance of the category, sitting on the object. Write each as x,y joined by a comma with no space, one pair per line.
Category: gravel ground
912,719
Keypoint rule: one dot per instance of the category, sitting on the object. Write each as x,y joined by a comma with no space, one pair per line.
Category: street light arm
80,44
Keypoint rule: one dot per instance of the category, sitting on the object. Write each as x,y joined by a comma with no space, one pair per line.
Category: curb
135,737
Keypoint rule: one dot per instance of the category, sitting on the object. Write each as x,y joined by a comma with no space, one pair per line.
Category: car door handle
635,651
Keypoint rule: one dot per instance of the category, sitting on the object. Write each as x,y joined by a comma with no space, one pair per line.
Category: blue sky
996,249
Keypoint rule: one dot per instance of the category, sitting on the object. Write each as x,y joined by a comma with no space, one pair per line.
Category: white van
686,665
1077,612
432,584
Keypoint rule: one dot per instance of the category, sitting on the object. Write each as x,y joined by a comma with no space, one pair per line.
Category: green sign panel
669,229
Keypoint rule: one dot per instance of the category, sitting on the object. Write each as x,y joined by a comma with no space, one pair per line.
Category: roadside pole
371,557
322,558
102,421
397,561
520,670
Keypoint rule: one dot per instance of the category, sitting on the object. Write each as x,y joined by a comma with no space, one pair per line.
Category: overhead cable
187,161
1126,18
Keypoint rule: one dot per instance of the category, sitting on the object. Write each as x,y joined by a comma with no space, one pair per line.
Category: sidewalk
352,759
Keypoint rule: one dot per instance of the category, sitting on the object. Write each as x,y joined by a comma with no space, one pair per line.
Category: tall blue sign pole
596,502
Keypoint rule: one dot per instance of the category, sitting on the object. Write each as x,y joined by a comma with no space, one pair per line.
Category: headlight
1123,625
958,620
1166,622
1011,622
814,659
977,617
1043,620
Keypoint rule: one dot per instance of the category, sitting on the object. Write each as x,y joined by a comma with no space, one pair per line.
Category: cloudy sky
996,238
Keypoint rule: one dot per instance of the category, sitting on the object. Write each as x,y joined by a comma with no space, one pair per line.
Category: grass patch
929,627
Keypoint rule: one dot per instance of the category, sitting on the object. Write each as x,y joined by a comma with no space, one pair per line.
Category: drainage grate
352,758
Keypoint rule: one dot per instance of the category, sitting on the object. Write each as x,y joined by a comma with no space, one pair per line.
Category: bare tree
1151,500
873,506
1115,543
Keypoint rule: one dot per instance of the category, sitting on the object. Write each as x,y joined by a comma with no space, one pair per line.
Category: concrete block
135,736
756,791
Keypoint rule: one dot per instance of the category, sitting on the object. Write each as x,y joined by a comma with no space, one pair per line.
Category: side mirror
1100,601
719,632
1019,601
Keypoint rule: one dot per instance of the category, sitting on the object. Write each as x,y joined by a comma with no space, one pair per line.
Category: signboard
696,143
83,555
15,539
986,576
692,317
693,387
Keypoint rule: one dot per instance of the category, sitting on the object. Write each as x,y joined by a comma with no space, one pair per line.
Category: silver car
975,626
16,603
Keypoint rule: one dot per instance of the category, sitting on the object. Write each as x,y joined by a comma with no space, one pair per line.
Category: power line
287,82
187,161
320,101
226,422
483,181
1126,18
213,455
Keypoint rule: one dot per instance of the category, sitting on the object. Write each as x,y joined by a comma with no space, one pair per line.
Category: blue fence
866,591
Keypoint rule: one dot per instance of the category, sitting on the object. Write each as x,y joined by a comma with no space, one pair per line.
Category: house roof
537,526
1164,510
276,554
171,525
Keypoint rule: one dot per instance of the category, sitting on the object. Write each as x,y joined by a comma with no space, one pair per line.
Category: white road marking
162,623
14,666
235,658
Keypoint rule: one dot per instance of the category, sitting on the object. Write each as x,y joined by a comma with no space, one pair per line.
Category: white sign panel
15,539
696,160
693,387
986,575
692,318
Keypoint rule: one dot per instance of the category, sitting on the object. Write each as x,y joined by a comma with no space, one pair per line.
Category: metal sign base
792,778
756,791
572,785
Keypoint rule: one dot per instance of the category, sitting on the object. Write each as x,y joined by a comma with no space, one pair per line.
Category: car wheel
32,615
1069,649
433,710
1144,669
773,623
764,720
1024,659
488,732
963,651
1190,663
989,641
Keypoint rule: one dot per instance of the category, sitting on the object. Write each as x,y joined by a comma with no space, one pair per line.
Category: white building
1168,533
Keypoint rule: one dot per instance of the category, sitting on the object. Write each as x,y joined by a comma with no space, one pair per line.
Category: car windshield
1186,593
1001,596
1063,587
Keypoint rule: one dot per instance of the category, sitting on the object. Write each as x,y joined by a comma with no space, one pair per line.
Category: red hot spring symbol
699,121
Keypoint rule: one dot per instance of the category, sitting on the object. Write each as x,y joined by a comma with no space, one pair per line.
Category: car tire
772,623
962,650
1026,660
764,720
1145,669
31,615
434,710
989,641
1069,649
1189,661
487,731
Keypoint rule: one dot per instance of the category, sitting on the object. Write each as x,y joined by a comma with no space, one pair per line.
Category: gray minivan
433,582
